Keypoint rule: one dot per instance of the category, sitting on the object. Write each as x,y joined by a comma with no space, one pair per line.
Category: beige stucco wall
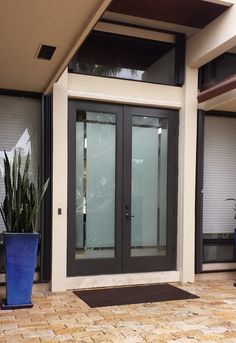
122,91
59,183
187,175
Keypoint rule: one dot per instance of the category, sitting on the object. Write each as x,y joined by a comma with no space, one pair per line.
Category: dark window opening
217,70
218,250
124,57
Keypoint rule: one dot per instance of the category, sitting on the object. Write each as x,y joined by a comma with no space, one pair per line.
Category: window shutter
219,174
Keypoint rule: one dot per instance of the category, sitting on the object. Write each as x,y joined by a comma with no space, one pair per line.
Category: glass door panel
95,185
150,189
149,186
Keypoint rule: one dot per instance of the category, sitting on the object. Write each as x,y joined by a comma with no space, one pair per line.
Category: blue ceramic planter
20,260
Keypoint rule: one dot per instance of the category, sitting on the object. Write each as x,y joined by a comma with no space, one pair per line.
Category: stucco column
59,182
187,174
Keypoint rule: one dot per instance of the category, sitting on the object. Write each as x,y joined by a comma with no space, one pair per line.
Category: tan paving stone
68,330
29,324
63,317
158,338
12,339
83,339
31,340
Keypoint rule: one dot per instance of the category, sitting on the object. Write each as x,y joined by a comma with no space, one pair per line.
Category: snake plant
23,197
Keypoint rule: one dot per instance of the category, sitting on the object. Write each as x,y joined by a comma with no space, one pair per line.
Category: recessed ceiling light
46,52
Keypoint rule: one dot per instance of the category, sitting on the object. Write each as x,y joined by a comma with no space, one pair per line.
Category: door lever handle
128,215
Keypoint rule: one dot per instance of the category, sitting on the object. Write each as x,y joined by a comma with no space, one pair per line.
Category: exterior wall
122,91
187,170
138,93
59,181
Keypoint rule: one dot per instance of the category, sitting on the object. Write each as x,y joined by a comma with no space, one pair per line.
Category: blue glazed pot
20,260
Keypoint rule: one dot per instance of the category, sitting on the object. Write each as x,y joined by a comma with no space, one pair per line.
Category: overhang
25,25
193,13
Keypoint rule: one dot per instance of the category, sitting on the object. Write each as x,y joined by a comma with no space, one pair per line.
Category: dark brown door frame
122,262
199,194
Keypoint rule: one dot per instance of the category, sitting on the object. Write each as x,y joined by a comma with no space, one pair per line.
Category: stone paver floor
63,317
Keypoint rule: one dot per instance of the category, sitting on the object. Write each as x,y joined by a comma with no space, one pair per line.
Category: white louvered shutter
219,181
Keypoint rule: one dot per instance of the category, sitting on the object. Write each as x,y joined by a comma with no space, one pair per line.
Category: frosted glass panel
149,184
80,178
95,185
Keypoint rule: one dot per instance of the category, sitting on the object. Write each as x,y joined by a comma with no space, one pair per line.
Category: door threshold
94,281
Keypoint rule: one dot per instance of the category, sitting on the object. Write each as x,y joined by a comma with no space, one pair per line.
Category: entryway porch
64,317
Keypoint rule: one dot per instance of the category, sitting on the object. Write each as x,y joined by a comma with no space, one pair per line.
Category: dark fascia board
15,92
218,89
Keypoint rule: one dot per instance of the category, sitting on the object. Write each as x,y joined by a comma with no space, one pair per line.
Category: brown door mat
132,295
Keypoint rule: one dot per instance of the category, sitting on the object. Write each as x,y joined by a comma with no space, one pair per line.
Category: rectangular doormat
132,295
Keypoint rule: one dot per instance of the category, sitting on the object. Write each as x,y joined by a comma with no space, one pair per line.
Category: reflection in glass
149,186
217,70
218,253
105,54
95,184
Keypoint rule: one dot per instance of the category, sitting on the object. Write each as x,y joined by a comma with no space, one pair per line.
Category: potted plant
19,211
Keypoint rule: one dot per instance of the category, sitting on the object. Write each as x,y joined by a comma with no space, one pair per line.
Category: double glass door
122,188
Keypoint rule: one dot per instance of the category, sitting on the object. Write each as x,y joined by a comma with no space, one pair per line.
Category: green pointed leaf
23,197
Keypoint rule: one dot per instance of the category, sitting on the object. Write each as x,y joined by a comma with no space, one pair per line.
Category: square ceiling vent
46,52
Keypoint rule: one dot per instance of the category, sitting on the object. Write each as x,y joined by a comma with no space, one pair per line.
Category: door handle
128,215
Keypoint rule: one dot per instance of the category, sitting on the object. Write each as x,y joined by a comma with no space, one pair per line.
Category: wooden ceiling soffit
193,13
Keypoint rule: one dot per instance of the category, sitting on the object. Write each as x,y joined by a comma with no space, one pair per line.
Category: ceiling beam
223,102
98,12
212,41
222,2
218,89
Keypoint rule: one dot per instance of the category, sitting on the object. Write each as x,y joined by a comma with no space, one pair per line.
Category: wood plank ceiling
194,13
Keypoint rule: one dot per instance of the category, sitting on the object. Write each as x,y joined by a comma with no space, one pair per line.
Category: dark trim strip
46,172
218,241
15,92
199,195
180,42
220,88
217,270
221,114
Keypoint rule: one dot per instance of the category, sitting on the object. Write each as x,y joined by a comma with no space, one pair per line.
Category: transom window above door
132,58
